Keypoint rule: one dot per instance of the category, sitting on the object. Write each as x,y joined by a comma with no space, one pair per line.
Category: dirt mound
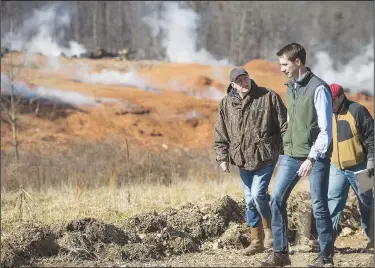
95,230
88,238
157,245
350,217
299,217
209,221
200,223
236,236
146,223
151,236
32,242
301,222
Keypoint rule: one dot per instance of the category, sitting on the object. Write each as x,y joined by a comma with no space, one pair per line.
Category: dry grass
106,181
110,204
112,161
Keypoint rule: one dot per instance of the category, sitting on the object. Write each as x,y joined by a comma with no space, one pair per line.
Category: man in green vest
307,152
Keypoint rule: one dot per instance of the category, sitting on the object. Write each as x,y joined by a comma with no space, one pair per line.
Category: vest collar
304,79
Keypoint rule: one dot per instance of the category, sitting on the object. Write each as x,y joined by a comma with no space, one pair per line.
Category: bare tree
94,24
254,28
10,101
76,23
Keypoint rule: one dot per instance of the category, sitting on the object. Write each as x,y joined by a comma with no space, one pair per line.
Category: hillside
154,103
89,197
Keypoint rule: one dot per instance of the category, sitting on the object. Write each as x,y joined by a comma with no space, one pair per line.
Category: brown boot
268,238
275,259
256,240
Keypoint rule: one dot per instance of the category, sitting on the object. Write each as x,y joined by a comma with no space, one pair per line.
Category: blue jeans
255,184
339,182
286,179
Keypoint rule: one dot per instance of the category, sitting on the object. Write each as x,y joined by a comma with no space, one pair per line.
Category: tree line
236,30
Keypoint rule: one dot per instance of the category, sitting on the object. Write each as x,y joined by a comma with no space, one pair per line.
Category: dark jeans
286,179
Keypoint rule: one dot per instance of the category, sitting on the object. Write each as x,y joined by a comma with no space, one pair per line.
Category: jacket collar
344,106
233,93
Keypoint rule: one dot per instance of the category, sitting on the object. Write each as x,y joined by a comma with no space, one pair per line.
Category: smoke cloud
133,79
60,96
108,77
42,31
357,75
179,26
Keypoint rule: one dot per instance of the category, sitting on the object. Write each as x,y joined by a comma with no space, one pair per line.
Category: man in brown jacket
248,133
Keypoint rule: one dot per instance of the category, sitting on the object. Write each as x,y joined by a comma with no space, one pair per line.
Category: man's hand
225,166
305,169
370,167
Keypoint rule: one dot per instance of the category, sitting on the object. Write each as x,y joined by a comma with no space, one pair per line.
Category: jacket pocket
269,147
235,154
351,152
287,137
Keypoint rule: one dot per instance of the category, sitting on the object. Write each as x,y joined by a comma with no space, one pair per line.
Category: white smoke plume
357,75
41,32
180,28
68,97
133,79
108,77
212,93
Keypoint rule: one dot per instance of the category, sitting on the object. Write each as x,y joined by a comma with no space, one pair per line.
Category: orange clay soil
173,114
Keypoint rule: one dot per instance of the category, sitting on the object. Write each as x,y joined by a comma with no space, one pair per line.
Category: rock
346,232
215,245
193,122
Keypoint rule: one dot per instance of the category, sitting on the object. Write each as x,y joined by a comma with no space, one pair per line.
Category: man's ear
298,62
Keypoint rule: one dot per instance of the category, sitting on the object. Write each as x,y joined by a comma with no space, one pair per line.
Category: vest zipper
294,117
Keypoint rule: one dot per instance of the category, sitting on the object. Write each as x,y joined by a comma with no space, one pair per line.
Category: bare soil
209,235
151,117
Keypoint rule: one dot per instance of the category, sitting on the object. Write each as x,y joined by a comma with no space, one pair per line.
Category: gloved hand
370,167
225,166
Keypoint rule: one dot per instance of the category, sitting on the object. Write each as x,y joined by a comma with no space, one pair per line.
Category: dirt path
233,258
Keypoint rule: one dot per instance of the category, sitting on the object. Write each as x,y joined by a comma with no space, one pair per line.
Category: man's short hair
292,52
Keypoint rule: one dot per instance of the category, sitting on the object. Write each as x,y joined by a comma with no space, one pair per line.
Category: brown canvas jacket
248,132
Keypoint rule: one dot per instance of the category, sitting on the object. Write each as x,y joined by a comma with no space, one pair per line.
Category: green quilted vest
303,126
